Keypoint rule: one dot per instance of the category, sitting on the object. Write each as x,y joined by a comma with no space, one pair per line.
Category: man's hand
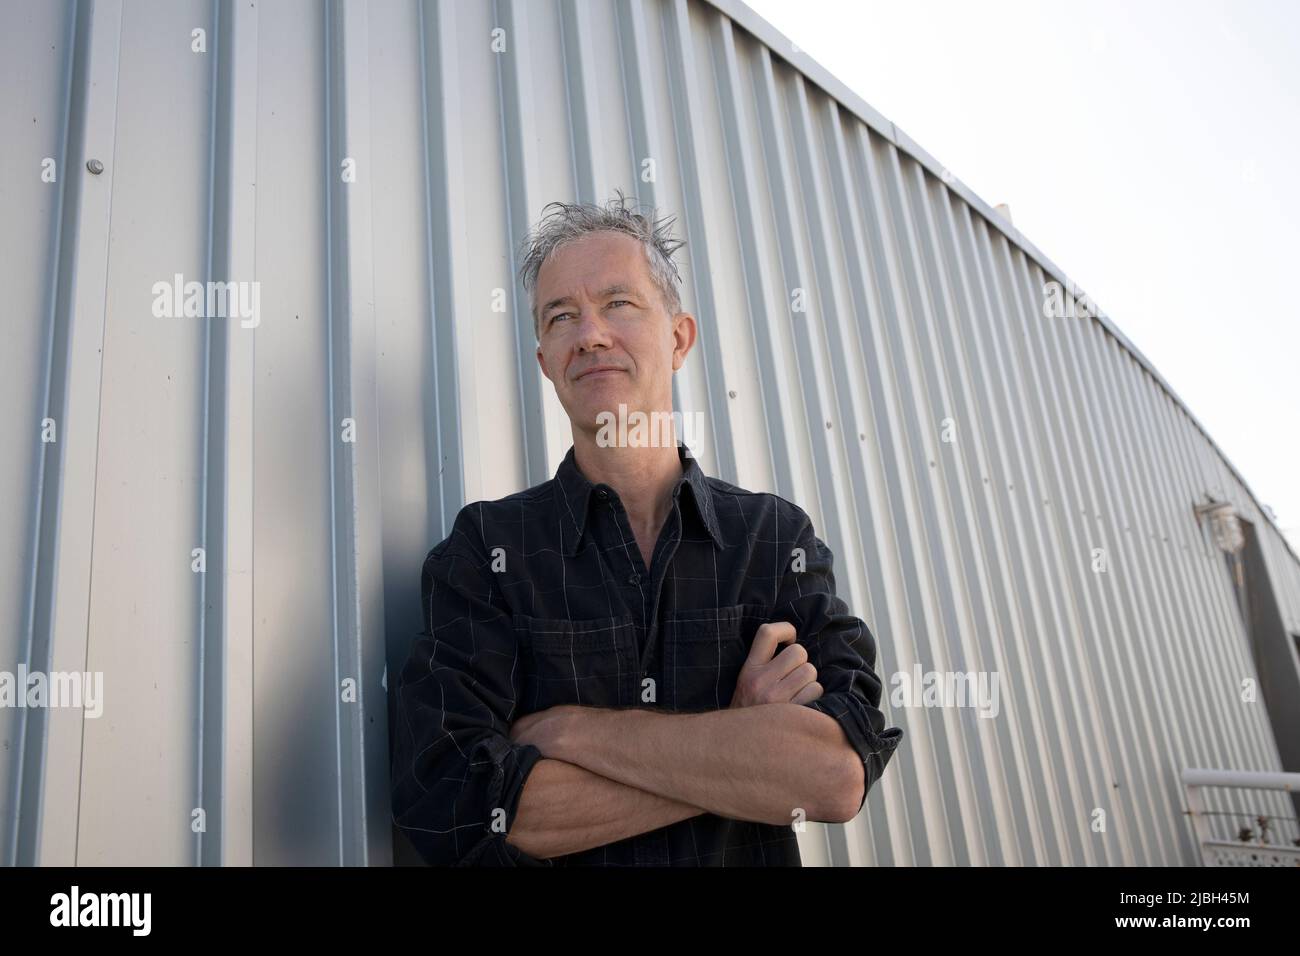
788,677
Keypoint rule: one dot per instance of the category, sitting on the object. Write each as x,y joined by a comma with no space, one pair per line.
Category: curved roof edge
784,47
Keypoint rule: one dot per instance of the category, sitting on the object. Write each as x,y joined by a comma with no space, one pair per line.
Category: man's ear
684,333
542,362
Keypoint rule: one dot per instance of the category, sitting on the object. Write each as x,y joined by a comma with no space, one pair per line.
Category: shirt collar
573,495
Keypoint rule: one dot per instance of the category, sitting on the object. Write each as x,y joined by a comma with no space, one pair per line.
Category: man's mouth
599,372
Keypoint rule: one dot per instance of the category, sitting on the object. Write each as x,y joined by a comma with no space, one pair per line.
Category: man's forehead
594,276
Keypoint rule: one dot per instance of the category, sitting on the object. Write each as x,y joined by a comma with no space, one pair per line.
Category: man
602,678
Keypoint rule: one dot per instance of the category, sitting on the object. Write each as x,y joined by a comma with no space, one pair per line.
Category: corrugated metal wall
923,322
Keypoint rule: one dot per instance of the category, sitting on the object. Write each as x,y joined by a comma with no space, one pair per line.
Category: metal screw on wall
95,166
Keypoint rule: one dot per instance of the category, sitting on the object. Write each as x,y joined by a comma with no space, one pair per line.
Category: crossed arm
586,777
610,774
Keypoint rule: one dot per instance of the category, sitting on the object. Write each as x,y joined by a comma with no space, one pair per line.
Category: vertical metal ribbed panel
873,345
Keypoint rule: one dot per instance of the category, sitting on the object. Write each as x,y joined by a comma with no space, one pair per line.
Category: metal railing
1246,850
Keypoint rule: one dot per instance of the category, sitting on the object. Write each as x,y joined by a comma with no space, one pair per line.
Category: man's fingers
809,693
766,640
789,686
788,660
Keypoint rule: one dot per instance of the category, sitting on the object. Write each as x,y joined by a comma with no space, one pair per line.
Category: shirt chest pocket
592,663
704,650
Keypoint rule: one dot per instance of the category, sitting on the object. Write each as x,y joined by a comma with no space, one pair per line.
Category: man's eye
618,301
559,315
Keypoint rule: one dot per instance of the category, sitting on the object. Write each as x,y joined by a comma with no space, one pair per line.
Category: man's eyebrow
554,302
603,293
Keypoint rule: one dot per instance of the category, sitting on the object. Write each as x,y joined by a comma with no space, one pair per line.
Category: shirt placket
649,849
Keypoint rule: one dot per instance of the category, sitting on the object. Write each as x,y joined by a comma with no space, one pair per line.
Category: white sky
1150,148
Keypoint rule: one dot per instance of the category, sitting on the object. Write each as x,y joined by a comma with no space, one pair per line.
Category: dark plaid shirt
543,598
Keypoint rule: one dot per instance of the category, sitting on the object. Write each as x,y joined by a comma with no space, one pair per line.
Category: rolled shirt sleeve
457,775
841,647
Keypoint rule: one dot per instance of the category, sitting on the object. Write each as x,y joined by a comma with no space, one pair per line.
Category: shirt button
602,494
633,578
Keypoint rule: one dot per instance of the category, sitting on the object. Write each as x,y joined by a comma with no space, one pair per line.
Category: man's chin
605,418
594,415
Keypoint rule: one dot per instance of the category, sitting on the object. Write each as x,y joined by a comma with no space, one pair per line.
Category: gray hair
570,221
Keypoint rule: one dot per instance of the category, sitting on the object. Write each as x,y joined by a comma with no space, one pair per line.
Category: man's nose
593,330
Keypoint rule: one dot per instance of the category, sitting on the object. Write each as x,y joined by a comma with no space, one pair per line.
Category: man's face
600,308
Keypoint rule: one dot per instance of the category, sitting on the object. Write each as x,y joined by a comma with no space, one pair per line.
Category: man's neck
643,477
